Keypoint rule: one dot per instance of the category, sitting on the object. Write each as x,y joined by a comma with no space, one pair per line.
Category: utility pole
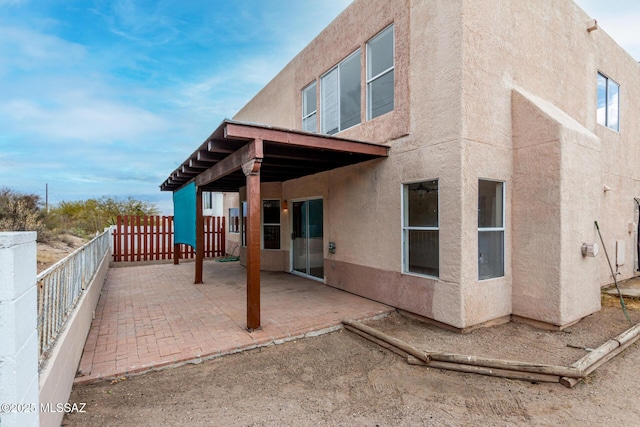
46,197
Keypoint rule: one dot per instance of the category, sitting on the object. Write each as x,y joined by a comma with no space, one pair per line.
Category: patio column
199,236
251,170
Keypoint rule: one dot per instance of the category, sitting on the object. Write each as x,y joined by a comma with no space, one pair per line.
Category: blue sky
107,97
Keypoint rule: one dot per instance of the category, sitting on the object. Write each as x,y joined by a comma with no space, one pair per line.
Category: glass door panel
315,245
307,242
299,237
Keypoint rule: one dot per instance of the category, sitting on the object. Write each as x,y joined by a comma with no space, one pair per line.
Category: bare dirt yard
51,252
341,379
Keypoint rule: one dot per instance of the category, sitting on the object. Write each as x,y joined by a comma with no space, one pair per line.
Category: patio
150,316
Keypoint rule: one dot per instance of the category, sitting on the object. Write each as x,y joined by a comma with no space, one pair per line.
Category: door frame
291,254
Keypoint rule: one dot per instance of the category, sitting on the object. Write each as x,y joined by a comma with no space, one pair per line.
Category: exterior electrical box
590,249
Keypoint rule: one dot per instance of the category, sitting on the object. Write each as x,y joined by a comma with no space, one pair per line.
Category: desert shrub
21,212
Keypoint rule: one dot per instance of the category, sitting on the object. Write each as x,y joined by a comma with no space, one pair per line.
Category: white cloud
23,48
86,119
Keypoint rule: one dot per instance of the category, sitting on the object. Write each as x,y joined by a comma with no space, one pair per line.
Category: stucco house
448,158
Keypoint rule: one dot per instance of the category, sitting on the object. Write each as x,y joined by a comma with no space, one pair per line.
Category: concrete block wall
18,330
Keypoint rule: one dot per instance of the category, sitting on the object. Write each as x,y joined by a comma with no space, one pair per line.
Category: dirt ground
340,379
51,252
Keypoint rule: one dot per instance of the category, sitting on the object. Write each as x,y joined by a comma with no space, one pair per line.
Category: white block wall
18,329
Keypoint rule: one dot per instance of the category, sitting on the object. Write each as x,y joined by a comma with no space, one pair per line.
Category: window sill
423,276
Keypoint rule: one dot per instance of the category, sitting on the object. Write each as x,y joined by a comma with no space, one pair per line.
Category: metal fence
60,287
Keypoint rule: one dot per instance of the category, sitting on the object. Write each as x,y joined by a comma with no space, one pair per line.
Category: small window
234,220
243,231
207,200
420,228
380,74
340,96
309,109
271,224
608,103
490,229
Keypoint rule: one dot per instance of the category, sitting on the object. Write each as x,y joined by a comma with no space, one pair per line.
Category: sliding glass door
307,243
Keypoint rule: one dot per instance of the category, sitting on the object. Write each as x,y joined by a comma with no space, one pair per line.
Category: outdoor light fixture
284,205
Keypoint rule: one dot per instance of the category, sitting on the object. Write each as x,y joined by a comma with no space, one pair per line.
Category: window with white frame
380,74
490,229
309,109
608,107
243,224
234,220
271,224
420,228
340,96
207,200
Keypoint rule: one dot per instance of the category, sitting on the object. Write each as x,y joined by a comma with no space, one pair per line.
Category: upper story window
309,109
340,96
380,74
608,103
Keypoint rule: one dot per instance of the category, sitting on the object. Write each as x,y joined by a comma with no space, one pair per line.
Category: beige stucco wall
560,174
483,90
279,103
362,203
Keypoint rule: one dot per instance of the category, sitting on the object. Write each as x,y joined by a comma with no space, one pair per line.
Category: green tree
92,215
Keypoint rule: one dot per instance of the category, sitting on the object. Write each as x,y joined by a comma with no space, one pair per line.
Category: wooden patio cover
239,154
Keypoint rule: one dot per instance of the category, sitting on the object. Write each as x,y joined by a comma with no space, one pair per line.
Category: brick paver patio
153,316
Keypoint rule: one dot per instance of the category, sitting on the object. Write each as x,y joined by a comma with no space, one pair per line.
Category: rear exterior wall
472,101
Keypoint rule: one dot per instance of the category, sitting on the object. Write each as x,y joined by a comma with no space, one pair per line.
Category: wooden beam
252,172
231,163
199,237
188,172
234,130
196,164
219,147
205,156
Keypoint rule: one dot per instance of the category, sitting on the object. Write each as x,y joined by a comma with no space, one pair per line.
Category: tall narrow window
380,74
420,229
271,224
490,229
608,103
243,229
207,202
309,109
340,96
234,220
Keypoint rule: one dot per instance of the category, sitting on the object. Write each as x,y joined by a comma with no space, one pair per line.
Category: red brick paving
152,316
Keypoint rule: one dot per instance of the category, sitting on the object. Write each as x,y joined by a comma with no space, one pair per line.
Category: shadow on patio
152,316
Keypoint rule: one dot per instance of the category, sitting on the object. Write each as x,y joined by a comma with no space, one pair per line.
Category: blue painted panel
184,215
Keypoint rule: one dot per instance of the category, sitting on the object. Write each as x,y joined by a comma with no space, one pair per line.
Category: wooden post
199,236
252,171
